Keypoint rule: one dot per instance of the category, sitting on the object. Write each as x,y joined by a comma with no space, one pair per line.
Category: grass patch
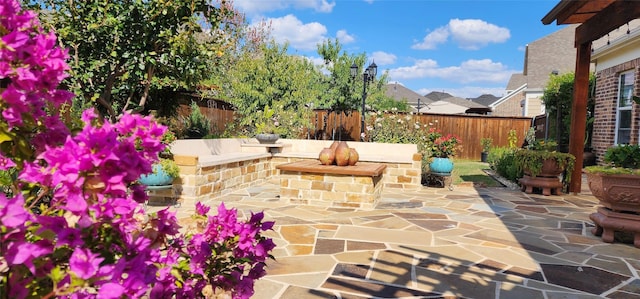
468,171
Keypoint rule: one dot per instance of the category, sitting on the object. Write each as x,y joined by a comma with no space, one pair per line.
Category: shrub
626,156
196,124
486,144
394,127
502,160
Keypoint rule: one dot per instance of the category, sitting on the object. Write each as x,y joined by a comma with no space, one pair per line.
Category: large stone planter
618,192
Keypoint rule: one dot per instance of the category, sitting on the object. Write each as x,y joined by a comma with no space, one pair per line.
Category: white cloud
468,71
473,34
383,58
469,34
436,37
344,37
300,36
253,7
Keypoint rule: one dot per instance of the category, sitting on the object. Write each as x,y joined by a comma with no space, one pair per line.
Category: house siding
534,104
605,106
510,106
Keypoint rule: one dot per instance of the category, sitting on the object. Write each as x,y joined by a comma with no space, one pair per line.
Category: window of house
623,115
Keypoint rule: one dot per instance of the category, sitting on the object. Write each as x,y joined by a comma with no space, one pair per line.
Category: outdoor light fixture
367,76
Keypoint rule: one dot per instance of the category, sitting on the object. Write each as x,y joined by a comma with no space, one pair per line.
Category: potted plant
542,164
617,184
486,147
266,126
443,148
165,170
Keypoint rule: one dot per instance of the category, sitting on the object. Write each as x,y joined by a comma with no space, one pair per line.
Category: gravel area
507,183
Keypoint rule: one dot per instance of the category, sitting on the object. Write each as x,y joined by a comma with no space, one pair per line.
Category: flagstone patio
437,243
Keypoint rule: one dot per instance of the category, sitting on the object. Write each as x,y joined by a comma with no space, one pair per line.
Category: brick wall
605,107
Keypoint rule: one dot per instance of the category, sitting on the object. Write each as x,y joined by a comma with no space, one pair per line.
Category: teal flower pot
441,166
156,178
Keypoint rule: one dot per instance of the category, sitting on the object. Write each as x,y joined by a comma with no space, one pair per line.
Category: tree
269,77
121,50
558,99
343,92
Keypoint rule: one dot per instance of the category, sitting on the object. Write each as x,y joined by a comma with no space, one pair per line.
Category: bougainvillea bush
71,220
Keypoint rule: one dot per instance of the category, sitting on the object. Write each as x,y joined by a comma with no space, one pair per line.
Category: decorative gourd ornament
327,156
342,154
334,145
354,157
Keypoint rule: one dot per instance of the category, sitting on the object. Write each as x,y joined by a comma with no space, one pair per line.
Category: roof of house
400,93
515,82
437,96
485,99
464,102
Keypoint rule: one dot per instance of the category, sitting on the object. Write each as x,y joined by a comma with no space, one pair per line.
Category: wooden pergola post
579,113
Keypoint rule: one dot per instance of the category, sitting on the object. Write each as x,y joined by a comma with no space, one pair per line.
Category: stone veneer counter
309,182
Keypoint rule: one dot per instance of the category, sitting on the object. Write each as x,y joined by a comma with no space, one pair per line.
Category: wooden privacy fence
333,125
470,128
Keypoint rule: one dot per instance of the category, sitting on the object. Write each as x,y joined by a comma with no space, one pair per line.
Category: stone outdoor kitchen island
309,182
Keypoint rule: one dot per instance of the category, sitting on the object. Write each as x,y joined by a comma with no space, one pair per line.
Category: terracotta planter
547,180
618,192
550,168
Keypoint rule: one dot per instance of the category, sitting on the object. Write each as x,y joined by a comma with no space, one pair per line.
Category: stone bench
212,168
309,182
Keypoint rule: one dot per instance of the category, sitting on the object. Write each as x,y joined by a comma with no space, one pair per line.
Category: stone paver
437,243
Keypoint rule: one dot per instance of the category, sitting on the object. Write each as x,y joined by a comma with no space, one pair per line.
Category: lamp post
367,76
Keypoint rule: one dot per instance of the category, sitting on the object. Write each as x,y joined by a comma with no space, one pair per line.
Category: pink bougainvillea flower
12,211
84,263
23,253
6,163
111,290
202,209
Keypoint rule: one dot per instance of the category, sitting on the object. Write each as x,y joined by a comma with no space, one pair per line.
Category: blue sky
462,47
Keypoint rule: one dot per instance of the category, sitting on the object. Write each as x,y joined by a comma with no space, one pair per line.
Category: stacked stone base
199,183
330,190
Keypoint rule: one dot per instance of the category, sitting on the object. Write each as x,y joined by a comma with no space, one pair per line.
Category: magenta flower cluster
73,226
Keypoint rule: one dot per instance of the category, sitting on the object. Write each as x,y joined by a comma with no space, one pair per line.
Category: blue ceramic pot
441,165
156,178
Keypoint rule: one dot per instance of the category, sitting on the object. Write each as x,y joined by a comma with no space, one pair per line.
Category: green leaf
56,275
